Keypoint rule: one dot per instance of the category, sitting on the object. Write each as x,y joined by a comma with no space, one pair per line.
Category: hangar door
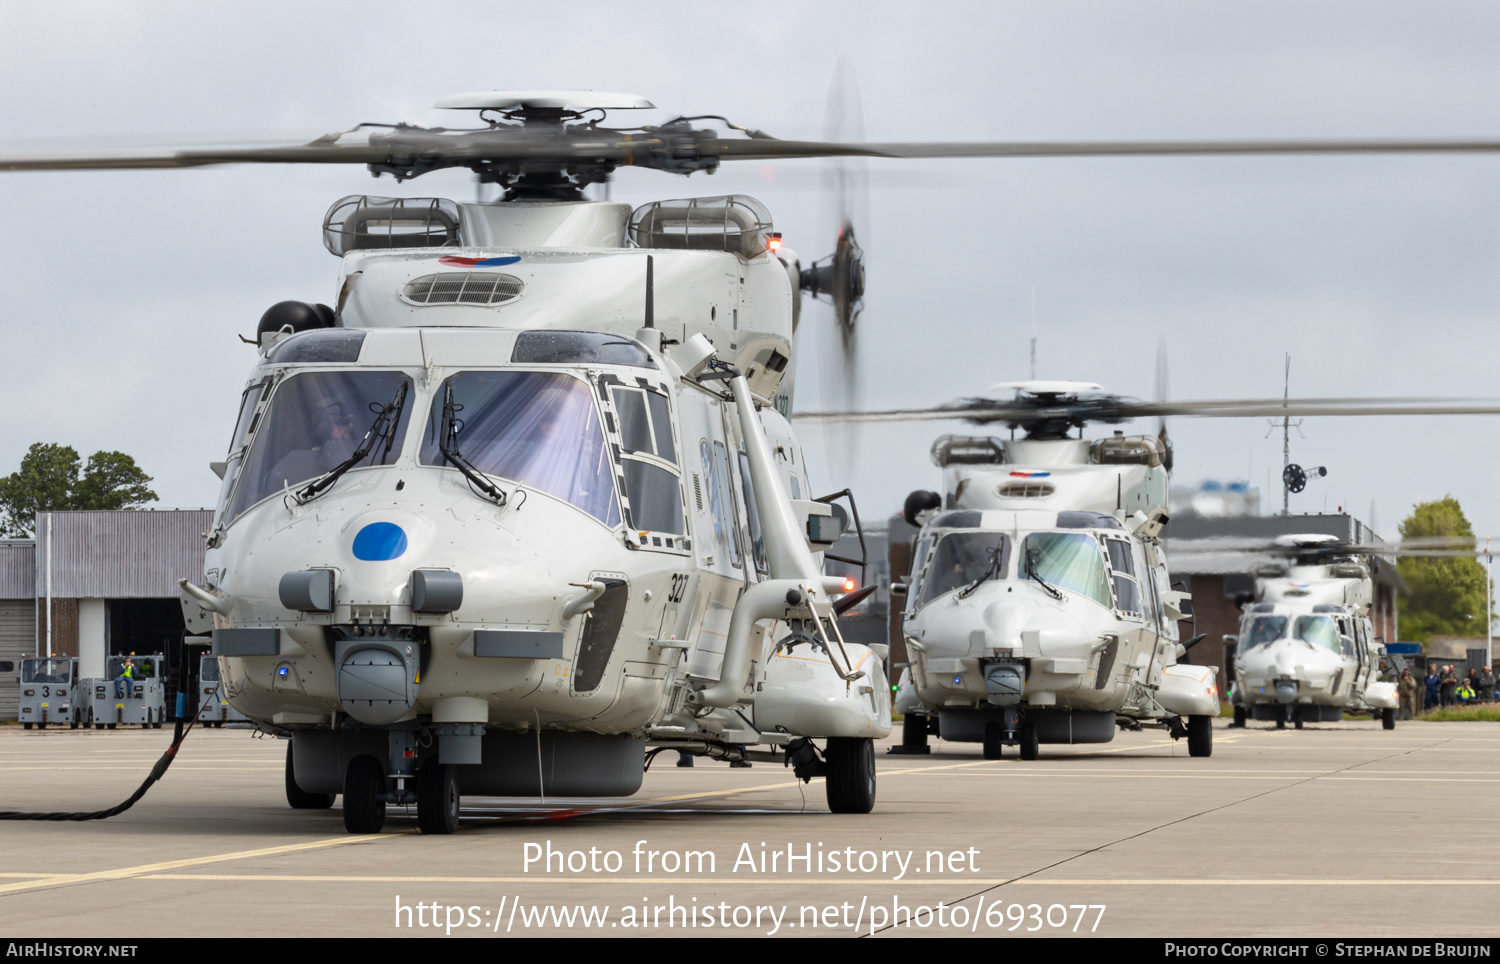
17,640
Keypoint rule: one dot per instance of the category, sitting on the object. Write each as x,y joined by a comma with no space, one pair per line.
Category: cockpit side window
315,421
963,558
648,460
1122,572
539,429
918,571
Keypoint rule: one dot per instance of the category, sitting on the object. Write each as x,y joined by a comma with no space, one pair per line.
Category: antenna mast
1033,332
1286,439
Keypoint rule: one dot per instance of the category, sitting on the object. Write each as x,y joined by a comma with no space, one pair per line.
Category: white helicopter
1306,651
1039,608
522,497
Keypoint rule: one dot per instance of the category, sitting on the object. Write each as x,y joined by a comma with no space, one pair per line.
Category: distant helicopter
1039,608
527,492
1306,651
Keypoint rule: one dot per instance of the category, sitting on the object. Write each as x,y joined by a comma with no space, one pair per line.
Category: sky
1377,275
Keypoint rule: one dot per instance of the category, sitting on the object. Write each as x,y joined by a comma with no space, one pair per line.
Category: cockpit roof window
957,519
1087,520
579,347
324,345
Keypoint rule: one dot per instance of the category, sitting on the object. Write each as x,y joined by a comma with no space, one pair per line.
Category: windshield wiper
448,446
387,417
992,572
1033,554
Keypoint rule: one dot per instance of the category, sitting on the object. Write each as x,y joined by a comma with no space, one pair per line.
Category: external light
773,241
849,585
958,680
282,670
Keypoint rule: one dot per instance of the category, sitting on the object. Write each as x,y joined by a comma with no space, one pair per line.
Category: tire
994,741
1297,723
73,725
1031,748
1200,735
437,797
1388,719
1281,723
364,795
110,726
25,726
851,774
914,733
41,726
298,798
1241,715
156,725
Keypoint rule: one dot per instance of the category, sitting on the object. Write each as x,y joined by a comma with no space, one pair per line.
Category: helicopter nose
1005,621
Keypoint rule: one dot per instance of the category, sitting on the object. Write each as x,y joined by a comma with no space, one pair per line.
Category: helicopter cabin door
718,547
1139,633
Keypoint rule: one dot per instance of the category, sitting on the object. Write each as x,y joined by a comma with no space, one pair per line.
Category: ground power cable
1170,823
179,734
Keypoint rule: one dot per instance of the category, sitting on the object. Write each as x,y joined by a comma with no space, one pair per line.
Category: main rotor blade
673,149
770,148
982,411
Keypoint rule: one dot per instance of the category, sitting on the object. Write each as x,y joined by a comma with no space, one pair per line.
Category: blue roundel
379,541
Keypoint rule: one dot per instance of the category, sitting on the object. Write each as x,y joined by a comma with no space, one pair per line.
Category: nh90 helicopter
1306,651
1039,608
527,492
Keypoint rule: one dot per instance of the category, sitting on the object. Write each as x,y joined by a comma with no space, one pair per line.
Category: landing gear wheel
851,774
298,798
1031,748
364,795
914,729
1240,716
1388,719
437,797
994,740
1200,735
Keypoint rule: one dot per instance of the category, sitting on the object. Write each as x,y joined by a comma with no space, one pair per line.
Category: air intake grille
1025,490
463,288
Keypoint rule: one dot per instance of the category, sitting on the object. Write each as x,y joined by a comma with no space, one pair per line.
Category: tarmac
1336,830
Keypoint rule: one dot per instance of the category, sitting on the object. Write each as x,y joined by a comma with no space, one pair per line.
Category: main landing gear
847,763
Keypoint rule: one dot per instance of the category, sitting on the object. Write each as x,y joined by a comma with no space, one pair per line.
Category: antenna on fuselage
650,293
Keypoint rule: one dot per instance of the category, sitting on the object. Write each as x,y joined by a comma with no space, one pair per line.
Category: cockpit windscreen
540,429
962,558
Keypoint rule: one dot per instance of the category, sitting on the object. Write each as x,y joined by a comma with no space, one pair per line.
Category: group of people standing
1443,687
